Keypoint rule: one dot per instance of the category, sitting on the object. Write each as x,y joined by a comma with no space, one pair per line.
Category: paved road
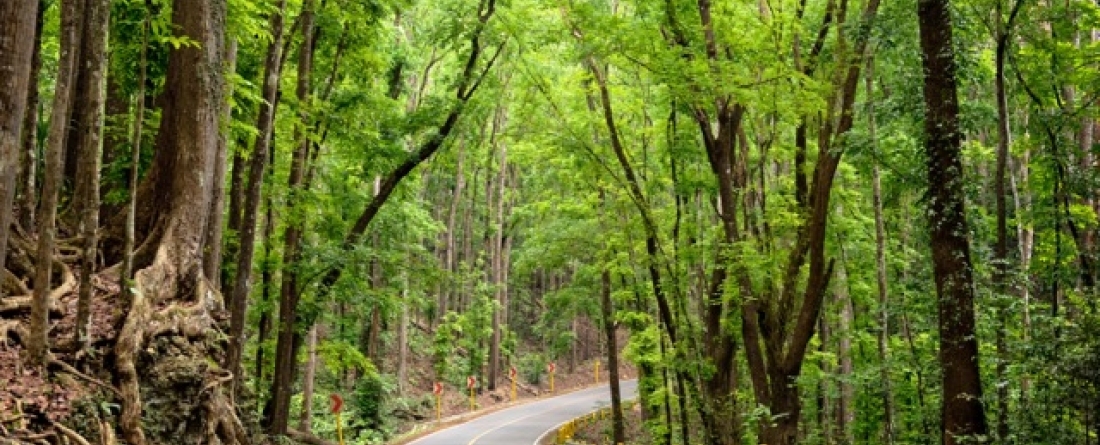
523,424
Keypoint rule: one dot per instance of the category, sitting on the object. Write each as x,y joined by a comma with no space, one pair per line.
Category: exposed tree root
72,435
10,284
8,327
157,310
307,438
23,302
71,370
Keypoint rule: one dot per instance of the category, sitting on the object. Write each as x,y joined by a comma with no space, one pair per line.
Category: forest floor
33,404
76,396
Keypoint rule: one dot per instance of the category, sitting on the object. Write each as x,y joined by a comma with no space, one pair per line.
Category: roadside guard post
337,405
550,370
512,375
437,389
471,382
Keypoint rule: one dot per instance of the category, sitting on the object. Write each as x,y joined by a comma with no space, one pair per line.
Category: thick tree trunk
173,296
242,281
277,418
17,23
38,344
963,417
96,21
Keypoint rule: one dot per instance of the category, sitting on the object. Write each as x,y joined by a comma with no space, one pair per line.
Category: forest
792,221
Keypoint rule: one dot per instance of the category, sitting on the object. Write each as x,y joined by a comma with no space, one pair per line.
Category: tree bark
38,345
171,274
212,250
618,434
17,22
963,417
96,22
27,179
306,419
242,281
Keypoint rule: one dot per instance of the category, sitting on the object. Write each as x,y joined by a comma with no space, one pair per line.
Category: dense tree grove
795,221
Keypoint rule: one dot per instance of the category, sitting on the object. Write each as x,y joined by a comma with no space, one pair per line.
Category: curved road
524,424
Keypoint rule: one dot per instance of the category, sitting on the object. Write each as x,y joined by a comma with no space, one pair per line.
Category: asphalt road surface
523,424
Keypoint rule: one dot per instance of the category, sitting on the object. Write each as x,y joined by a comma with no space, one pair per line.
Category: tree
963,416
173,297
17,18
38,345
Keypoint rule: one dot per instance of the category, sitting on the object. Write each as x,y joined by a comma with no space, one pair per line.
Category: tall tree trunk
618,434
306,419
963,417
883,337
170,286
96,21
27,175
845,414
126,275
403,339
1001,268
242,281
17,22
212,253
277,417
38,344
1021,200
497,249
451,263
266,283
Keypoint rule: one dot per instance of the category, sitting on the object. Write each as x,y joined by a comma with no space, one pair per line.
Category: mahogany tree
963,417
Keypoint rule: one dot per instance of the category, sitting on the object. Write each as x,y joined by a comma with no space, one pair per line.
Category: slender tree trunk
306,419
242,281
1000,249
845,414
618,434
496,193
38,345
233,218
451,263
278,416
126,275
963,417
17,22
883,337
403,339
1026,236
96,21
266,283
27,178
